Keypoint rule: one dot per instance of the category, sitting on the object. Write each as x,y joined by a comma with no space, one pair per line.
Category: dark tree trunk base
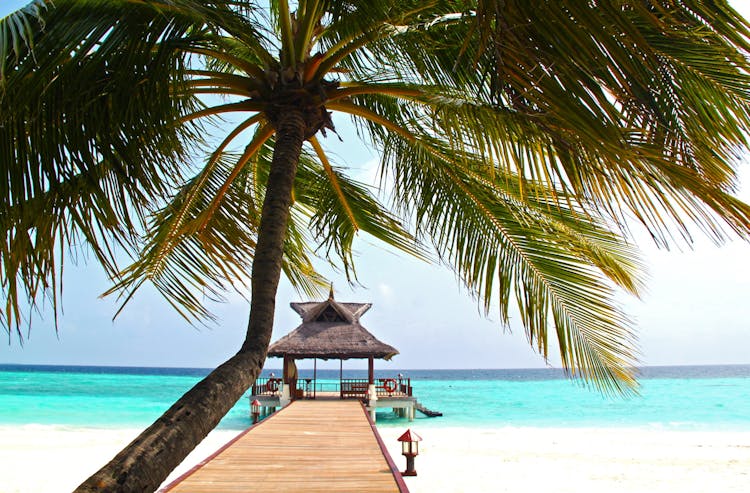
146,461
144,464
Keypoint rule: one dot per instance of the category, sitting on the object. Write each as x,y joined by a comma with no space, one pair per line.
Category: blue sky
696,309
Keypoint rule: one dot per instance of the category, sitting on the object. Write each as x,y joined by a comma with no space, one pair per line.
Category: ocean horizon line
193,370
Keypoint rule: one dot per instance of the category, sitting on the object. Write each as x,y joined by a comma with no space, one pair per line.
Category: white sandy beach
577,460
49,459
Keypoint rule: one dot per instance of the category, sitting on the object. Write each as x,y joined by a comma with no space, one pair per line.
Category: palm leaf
85,137
341,208
579,107
192,254
561,264
57,141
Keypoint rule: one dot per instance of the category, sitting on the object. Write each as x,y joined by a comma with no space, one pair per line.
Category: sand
49,459
577,460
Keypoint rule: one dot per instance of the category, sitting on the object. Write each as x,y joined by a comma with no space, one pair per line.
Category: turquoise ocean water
679,398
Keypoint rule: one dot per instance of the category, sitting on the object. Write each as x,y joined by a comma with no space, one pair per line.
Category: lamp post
409,449
255,410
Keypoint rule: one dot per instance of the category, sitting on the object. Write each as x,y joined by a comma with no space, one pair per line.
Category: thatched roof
330,330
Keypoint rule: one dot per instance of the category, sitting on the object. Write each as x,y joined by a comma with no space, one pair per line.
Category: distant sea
706,398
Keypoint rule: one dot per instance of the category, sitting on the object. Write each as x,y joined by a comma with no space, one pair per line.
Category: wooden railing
356,388
393,387
306,388
348,388
267,386
404,385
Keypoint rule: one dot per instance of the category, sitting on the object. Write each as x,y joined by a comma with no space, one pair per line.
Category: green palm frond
71,139
250,51
17,33
201,246
341,208
349,40
584,110
76,210
620,176
560,265
186,262
57,141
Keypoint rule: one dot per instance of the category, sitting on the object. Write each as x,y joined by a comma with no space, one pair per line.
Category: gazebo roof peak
323,311
330,329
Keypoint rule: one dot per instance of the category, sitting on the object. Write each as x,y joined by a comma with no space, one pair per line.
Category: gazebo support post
315,378
372,393
286,395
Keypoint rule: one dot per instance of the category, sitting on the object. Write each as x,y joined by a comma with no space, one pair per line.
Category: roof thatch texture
330,330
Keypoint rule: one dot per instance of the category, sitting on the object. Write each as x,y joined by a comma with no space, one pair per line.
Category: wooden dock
309,446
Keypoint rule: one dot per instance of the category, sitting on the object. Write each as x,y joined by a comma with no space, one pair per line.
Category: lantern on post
255,410
409,449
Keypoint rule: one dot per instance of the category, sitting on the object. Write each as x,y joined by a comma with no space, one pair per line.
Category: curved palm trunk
147,461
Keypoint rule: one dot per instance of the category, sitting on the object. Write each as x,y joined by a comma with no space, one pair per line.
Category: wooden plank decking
309,446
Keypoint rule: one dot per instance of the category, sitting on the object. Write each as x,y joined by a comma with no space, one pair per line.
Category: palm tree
517,138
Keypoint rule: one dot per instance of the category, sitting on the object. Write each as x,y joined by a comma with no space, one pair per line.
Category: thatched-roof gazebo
329,330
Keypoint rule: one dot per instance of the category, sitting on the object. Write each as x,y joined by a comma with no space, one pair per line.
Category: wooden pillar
286,391
315,377
371,370
290,376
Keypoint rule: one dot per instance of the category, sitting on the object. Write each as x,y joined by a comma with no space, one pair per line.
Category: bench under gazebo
332,330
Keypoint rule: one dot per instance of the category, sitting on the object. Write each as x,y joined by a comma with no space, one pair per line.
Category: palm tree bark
146,462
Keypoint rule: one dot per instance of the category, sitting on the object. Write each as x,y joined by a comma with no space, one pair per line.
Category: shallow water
680,398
